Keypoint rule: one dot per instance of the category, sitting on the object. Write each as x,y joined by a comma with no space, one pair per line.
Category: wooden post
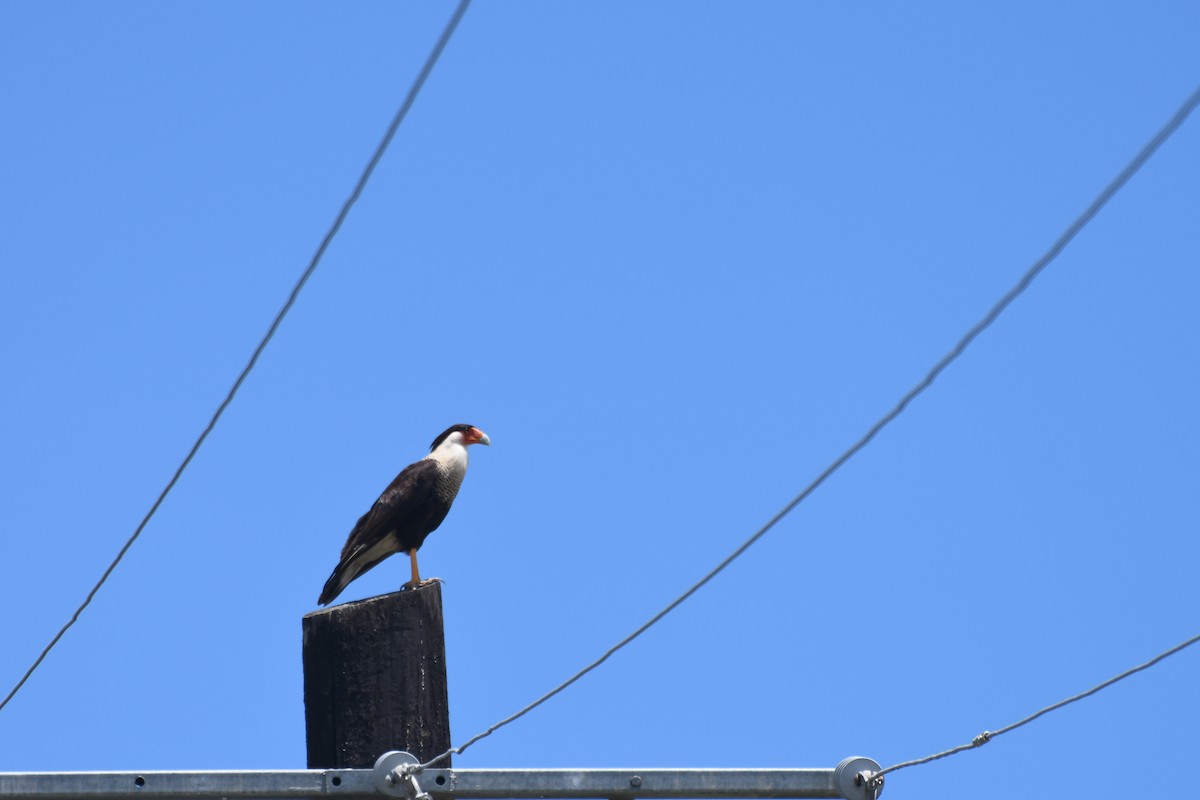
375,680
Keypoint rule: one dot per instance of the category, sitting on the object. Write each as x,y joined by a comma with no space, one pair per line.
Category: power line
1055,249
430,61
987,736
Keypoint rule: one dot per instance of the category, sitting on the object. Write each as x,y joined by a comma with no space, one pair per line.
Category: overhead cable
430,61
1055,249
987,736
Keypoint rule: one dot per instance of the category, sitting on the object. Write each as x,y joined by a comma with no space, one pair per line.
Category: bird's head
461,434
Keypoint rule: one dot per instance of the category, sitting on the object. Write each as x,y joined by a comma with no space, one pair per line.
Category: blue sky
674,258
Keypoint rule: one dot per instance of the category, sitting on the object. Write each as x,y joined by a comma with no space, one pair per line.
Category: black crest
442,437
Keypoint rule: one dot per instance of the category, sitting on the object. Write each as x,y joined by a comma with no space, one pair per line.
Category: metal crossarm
846,781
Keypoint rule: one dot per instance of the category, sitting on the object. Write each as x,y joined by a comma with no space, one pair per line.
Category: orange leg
416,578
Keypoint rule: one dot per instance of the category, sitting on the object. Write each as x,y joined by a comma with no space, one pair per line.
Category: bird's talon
410,586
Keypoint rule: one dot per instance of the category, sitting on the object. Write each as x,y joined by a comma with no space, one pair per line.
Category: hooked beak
479,437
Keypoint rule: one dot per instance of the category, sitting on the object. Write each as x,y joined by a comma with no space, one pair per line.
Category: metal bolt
635,781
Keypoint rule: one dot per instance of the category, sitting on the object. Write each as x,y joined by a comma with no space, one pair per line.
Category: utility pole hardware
849,780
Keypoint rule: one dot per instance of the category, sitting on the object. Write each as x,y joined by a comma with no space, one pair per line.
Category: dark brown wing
407,511
408,508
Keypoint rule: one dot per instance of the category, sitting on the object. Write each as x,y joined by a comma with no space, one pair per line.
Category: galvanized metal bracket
395,775
853,779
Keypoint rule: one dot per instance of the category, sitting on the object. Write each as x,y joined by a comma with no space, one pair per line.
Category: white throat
451,454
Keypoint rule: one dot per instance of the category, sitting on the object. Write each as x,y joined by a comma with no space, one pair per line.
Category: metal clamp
395,775
853,779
